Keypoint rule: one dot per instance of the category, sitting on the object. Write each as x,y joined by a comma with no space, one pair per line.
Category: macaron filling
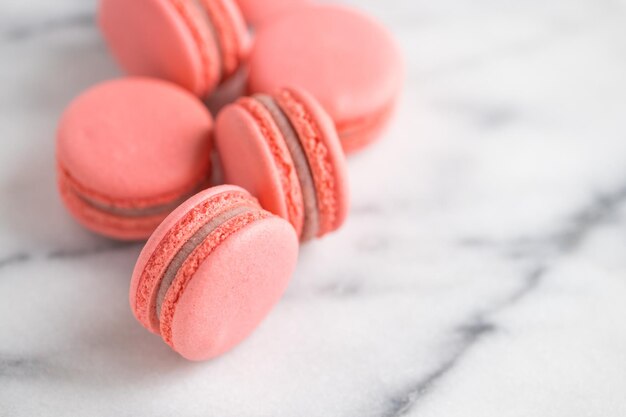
132,211
312,197
190,245
211,70
171,244
305,176
129,209
221,27
224,29
282,160
313,142
199,5
191,264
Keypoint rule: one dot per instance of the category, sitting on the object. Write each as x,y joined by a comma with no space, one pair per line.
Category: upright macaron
284,149
196,44
212,271
129,152
343,57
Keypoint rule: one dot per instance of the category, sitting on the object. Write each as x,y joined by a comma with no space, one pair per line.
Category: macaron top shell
234,290
193,43
226,285
135,142
152,38
344,58
248,161
257,12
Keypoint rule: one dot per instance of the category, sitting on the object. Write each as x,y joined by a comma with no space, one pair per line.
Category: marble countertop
482,271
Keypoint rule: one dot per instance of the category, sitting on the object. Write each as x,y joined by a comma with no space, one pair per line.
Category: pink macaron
258,12
344,58
284,149
196,44
129,152
212,271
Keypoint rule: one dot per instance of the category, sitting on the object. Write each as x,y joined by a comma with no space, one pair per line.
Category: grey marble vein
41,28
19,367
18,258
91,251
603,209
516,49
486,116
21,258
470,333
340,289
459,262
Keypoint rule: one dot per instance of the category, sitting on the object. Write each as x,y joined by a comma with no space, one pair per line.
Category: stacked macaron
344,58
134,155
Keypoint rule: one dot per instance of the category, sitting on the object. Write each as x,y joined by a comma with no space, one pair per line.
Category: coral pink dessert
129,152
258,12
212,271
345,59
284,149
196,44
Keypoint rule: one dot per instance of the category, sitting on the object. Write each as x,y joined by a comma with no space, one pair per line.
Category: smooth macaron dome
284,149
258,12
344,58
196,44
130,151
212,271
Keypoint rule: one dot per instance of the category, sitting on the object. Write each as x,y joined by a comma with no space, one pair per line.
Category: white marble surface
482,271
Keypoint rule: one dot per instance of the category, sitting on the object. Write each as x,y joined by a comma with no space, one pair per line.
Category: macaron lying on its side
284,149
345,59
196,44
129,152
212,271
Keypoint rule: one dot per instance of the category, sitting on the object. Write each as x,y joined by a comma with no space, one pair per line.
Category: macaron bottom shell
357,135
107,223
